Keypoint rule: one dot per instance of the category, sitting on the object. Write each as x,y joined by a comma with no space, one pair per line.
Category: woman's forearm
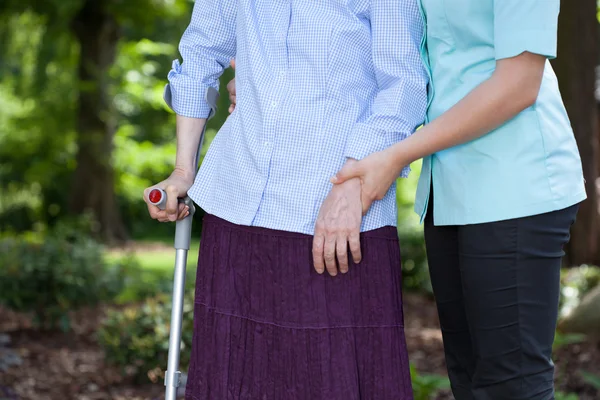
513,87
189,131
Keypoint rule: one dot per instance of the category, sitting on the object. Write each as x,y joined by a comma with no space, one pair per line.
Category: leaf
562,339
591,379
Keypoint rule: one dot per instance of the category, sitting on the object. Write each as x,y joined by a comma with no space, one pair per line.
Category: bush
142,282
137,337
575,283
55,274
565,396
427,386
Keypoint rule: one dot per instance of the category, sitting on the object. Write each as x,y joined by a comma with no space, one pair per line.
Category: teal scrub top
530,165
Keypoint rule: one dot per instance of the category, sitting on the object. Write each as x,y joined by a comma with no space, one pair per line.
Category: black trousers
497,288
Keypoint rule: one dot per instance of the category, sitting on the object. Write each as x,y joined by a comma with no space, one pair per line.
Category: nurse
499,189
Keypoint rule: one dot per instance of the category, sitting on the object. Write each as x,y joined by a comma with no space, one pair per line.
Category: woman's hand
175,186
377,173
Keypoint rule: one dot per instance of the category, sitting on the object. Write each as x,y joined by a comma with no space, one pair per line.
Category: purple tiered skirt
268,327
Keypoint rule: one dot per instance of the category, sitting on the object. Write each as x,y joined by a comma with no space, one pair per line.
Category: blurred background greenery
84,129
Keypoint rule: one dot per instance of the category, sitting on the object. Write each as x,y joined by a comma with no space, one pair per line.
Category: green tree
79,78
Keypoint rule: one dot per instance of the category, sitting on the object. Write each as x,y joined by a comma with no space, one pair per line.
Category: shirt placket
276,94
279,70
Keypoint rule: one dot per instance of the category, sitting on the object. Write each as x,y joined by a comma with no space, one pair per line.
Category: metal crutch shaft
183,234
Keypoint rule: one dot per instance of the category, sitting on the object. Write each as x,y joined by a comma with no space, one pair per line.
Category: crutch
183,233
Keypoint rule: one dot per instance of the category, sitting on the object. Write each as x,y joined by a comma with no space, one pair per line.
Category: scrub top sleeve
525,25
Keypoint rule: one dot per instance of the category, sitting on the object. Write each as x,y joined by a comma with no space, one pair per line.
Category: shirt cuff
365,140
186,96
542,42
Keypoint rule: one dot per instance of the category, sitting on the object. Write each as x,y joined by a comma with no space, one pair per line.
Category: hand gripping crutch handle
183,227
183,233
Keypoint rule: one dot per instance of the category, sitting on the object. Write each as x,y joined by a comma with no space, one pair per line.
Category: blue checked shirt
317,82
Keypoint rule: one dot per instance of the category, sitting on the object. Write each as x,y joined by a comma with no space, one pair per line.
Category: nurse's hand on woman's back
231,90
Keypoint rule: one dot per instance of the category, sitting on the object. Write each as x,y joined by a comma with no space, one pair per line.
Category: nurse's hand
231,90
376,172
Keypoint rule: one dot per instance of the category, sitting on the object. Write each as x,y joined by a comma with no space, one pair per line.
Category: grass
151,264
155,254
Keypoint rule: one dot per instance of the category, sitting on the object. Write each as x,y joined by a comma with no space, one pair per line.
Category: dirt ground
58,366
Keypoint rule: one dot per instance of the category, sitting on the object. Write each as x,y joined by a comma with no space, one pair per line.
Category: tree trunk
93,185
575,67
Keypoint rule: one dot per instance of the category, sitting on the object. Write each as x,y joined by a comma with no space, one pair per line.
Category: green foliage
141,283
39,92
565,339
55,273
575,283
591,379
565,396
415,273
137,337
36,126
427,386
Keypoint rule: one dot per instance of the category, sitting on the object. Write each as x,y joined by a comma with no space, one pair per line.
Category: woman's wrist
187,173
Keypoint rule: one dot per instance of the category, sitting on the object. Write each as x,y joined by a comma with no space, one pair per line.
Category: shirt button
267,144
273,104
282,74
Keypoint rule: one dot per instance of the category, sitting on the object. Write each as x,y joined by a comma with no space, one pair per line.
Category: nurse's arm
513,87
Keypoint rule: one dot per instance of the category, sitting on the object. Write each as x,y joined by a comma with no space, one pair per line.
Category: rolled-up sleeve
525,25
207,47
400,104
